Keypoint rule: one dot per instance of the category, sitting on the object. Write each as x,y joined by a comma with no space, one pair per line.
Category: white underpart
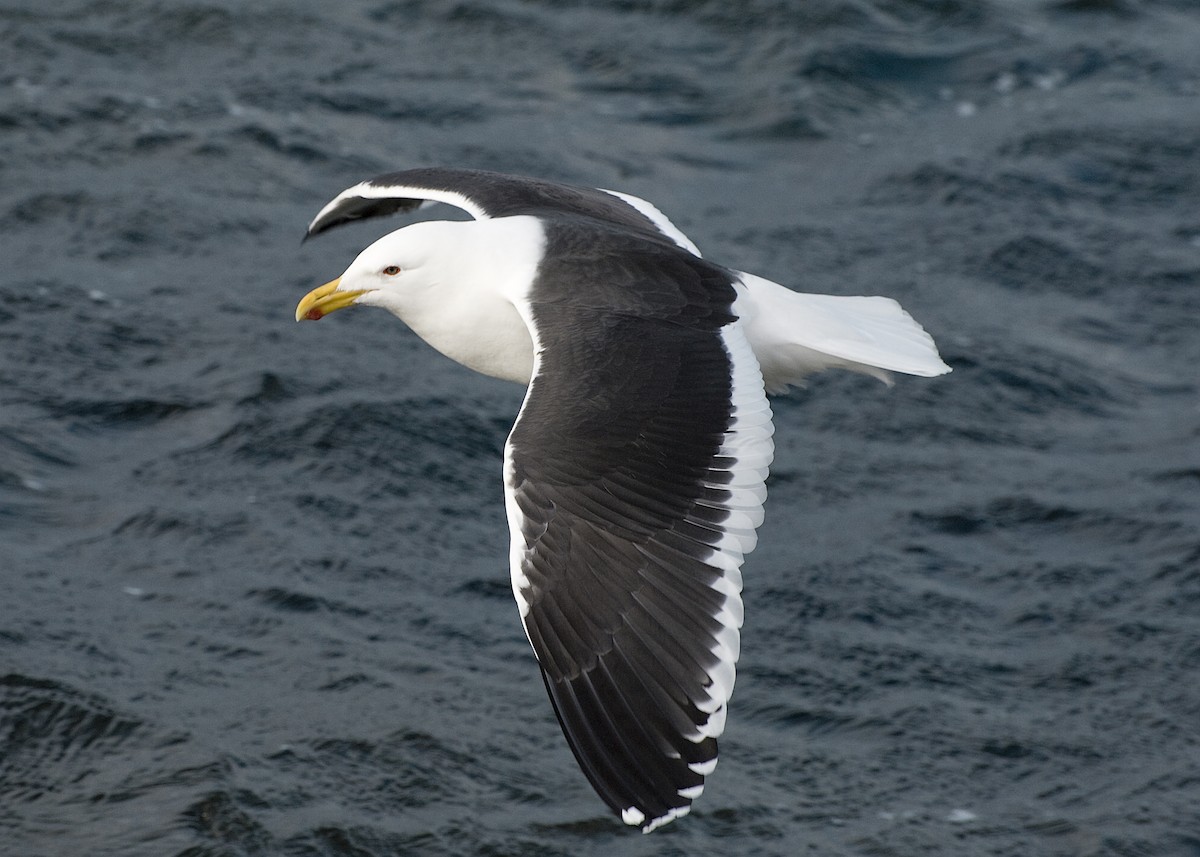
660,221
794,334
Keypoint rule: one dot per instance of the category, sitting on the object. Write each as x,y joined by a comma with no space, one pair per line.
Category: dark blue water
255,586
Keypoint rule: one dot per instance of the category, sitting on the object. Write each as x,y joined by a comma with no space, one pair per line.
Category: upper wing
634,481
485,194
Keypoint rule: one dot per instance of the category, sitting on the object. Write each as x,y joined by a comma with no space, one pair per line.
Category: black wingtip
354,208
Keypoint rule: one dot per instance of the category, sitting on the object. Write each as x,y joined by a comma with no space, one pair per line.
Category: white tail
794,334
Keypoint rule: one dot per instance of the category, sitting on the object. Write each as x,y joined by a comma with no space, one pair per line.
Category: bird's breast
485,334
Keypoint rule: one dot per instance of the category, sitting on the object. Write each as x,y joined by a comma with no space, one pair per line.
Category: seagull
635,473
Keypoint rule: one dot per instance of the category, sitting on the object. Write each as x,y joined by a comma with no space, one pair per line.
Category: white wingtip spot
703,768
716,723
677,812
633,816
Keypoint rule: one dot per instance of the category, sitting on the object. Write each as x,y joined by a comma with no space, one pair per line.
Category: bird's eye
392,270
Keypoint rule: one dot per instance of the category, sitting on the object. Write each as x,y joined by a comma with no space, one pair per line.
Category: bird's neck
472,316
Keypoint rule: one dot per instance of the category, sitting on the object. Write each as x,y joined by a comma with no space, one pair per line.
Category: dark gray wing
634,481
485,194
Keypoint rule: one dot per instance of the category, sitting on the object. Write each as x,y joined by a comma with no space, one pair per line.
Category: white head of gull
635,472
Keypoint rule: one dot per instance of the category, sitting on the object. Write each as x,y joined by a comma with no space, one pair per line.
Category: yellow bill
325,299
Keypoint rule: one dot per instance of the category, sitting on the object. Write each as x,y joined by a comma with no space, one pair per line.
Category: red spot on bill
314,314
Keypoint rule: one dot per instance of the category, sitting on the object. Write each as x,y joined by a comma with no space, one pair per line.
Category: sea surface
255,594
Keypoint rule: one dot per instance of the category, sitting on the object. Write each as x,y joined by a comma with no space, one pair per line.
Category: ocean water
255,587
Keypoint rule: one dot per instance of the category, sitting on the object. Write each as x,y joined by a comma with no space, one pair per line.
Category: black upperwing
484,194
634,478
